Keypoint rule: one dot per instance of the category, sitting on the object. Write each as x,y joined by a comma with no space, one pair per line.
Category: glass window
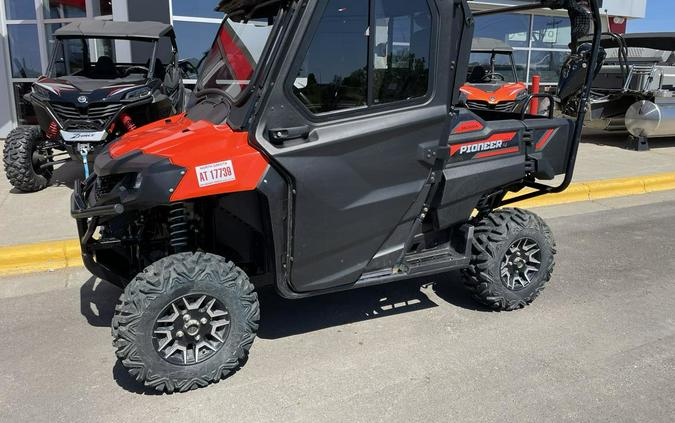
69,56
520,59
59,9
24,51
512,28
547,64
102,7
551,32
194,41
20,9
24,109
201,8
480,68
333,75
235,55
402,49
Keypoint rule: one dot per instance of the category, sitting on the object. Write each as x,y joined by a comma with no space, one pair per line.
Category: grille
503,106
92,118
105,184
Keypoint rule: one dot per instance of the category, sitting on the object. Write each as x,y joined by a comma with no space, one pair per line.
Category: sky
660,18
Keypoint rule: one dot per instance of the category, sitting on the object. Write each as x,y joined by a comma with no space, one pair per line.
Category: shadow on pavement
97,301
620,140
281,318
66,174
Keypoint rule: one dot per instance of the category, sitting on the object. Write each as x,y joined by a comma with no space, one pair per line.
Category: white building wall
625,8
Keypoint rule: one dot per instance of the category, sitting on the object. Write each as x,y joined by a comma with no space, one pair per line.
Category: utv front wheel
185,321
512,259
24,157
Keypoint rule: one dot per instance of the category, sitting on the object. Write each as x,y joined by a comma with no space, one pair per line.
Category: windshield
481,70
108,59
234,55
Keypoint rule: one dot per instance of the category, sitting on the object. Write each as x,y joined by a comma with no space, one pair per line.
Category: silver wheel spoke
520,264
191,329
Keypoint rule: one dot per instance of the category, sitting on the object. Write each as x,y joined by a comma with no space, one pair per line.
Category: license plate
215,173
83,136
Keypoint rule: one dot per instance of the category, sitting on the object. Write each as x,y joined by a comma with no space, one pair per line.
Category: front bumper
79,207
112,195
87,219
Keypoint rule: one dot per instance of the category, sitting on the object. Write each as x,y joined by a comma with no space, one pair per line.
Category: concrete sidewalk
45,215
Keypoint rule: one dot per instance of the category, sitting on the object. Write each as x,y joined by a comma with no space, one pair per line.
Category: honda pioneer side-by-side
87,99
327,150
492,79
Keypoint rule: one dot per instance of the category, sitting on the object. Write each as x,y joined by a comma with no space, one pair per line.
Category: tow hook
84,152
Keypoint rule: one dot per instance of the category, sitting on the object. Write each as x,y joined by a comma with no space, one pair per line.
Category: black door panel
353,186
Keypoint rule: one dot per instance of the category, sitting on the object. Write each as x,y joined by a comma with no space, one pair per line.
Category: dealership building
26,26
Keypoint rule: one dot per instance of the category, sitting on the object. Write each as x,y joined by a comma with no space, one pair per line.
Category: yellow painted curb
596,190
43,256
62,254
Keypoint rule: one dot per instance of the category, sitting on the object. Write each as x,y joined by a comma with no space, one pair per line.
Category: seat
477,75
105,68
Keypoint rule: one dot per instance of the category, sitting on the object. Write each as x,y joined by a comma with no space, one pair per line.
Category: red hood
190,145
507,92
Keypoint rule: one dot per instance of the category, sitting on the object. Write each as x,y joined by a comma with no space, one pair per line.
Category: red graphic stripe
468,126
506,137
544,140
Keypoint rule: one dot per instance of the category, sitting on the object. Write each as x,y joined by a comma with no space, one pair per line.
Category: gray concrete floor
597,346
45,215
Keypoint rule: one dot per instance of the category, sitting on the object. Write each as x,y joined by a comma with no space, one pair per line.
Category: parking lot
596,346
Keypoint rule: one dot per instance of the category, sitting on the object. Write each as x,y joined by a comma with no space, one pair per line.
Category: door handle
279,135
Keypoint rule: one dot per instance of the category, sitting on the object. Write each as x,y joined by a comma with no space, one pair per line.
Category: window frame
370,107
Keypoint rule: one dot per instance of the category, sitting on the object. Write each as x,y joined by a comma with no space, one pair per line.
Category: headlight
137,94
40,92
138,181
522,95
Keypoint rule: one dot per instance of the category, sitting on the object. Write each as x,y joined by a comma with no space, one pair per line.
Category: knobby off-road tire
20,166
506,242
182,280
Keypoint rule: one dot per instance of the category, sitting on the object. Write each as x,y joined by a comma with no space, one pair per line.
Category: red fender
216,159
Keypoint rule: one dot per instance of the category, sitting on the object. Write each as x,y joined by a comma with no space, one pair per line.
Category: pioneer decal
493,145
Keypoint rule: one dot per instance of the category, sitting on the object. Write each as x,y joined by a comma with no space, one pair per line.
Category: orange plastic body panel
508,92
191,144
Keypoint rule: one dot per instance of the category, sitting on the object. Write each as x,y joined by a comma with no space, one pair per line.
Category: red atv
492,81
327,151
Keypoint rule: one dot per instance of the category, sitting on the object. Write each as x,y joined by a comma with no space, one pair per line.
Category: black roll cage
582,108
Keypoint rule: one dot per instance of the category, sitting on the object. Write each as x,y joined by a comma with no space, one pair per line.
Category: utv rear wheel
24,156
185,321
512,259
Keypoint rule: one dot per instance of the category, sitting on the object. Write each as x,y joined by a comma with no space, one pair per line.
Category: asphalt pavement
598,345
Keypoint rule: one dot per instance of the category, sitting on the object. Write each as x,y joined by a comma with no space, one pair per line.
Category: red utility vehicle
492,80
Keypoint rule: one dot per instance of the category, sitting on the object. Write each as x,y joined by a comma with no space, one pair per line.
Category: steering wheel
495,75
131,69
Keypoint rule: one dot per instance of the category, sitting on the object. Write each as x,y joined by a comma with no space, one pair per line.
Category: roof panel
112,29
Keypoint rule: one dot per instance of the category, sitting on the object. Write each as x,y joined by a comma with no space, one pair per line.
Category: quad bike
492,80
332,157
87,100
